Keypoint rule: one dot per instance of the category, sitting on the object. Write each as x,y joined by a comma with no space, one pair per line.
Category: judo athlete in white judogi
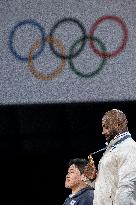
116,179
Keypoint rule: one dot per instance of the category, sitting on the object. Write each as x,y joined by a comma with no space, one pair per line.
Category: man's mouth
67,180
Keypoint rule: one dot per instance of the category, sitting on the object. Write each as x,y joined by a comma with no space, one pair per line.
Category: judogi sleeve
126,188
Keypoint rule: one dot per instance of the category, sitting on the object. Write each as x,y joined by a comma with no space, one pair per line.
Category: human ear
84,178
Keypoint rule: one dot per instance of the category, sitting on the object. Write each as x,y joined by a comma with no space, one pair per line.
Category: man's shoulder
128,144
126,149
83,197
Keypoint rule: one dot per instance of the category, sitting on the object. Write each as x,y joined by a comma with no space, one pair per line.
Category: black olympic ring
11,36
75,21
103,61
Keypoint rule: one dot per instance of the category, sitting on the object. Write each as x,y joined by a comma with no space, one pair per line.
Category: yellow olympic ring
35,71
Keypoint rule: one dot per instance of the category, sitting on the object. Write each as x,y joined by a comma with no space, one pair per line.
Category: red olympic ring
123,26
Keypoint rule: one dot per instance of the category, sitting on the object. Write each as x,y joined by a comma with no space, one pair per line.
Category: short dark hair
79,163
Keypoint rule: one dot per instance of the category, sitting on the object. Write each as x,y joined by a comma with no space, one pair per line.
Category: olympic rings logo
53,42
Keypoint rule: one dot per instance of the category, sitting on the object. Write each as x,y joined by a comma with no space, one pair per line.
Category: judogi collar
118,139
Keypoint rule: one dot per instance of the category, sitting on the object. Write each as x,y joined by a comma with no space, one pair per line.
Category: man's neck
78,188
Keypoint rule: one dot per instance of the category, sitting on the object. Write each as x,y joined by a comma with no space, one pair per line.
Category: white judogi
116,180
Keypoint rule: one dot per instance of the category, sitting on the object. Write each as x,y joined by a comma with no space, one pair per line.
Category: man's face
73,178
109,131
106,131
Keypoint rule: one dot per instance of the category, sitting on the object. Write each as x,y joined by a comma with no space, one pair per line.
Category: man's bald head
116,121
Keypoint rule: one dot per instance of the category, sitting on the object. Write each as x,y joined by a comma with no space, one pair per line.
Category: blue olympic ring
11,36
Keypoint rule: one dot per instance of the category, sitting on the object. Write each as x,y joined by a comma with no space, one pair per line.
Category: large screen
63,51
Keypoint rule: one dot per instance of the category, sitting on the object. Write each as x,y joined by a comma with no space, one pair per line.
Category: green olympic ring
103,60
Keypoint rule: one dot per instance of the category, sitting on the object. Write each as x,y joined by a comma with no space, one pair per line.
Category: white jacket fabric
116,180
